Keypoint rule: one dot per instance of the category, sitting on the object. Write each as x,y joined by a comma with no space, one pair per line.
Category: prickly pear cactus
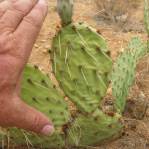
81,65
93,129
123,73
83,69
39,92
33,83
65,10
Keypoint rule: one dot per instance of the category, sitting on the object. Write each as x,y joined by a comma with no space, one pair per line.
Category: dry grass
116,11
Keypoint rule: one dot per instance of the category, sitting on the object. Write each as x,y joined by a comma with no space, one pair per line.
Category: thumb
28,118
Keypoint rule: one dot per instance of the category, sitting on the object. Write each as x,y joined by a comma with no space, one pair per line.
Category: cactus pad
39,92
123,74
65,10
93,129
81,65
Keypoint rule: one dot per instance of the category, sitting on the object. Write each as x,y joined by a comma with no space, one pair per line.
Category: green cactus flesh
81,65
65,10
35,92
21,137
39,92
92,129
85,130
123,74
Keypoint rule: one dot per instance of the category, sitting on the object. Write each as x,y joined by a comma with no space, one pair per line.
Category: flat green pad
65,10
81,65
21,137
39,92
123,73
93,130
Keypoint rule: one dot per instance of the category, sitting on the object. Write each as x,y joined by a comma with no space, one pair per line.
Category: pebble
45,51
36,46
47,47
43,40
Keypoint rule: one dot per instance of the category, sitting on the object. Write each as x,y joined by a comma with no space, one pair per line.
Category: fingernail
47,130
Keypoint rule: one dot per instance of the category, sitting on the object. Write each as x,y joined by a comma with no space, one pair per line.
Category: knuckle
5,44
39,121
7,79
36,125
4,27
17,9
21,6
32,21
40,10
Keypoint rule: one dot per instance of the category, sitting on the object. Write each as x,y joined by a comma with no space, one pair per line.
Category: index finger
15,13
4,5
29,28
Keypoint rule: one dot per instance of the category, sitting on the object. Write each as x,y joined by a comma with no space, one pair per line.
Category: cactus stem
65,10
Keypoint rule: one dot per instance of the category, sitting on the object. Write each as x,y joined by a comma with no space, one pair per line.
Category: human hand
20,23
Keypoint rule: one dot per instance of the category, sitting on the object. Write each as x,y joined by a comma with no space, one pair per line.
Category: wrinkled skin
20,23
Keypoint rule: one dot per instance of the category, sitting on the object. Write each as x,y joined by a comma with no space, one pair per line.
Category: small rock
45,51
36,46
43,40
47,47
